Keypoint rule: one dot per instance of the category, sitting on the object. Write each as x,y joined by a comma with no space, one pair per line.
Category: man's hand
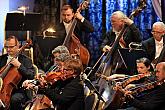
79,16
15,62
106,48
128,21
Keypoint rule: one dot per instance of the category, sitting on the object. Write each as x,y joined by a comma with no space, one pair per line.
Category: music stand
23,22
129,58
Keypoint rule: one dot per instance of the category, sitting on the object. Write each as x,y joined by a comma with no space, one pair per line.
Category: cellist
24,66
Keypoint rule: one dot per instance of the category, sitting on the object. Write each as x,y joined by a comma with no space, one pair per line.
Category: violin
51,78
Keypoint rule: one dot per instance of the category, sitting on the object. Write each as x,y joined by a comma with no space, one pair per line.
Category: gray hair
60,49
119,14
63,57
161,24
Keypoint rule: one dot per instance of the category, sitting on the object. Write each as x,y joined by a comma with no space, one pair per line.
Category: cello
10,77
72,42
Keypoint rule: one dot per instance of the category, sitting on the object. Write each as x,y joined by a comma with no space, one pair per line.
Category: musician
143,66
71,95
55,53
155,99
154,45
132,34
24,66
83,25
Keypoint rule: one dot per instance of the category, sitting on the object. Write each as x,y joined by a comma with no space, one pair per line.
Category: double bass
72,42
10,77
104,87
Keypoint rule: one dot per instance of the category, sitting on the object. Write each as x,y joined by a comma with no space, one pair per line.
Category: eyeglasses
9,46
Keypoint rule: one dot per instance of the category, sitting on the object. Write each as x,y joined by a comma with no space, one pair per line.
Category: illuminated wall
10,6
4,8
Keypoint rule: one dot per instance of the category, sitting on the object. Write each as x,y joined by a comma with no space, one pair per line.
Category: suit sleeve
26,68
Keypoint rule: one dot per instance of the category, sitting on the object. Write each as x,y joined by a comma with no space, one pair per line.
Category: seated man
70,94
155,99
20,69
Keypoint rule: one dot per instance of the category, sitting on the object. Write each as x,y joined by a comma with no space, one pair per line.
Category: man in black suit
132,34
154,45
68,94
67,16
23,66
154,99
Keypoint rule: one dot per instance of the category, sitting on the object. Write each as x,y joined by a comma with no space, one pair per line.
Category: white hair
119,14
161,24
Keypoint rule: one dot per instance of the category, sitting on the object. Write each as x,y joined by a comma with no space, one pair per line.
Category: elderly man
154,45
132,34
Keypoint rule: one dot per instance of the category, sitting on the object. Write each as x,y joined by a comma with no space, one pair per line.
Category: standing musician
154,45
132,34
155,99
25,68
83,25
70,96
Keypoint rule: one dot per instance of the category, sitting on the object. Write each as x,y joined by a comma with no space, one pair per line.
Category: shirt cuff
82,20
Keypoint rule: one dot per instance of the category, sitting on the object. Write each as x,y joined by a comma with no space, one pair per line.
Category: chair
91,101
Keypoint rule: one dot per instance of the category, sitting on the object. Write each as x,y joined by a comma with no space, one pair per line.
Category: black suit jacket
131,35
150,47
68,96
154,100
80,29
26,69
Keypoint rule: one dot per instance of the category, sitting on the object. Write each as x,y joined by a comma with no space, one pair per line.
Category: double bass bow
72,42
10,77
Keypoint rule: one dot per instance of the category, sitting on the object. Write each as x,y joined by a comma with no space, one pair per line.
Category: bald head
160,71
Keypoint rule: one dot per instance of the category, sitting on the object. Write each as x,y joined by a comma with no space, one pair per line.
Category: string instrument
136,12
72,42
131,79
41,101
120,98
10,77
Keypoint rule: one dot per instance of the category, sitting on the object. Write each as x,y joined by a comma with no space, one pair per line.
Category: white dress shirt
159,47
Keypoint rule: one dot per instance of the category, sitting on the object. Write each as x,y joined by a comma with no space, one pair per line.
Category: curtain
143,21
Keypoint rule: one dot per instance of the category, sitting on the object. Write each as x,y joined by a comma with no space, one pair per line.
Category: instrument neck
71,30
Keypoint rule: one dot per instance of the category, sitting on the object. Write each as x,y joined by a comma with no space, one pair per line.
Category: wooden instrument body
10,82
40,102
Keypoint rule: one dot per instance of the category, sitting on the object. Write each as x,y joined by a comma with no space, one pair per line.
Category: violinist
119,20
70,96
143,67
56,52
155,99
25,68
145,75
